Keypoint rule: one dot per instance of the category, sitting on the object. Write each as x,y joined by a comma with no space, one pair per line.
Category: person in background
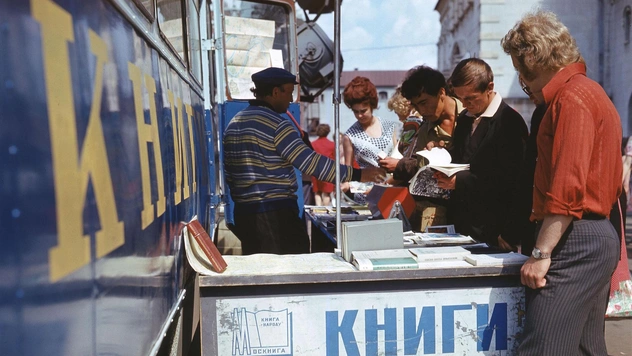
577,180
410,119
327,148
626,160
618,214
306,181
369,135
425,88
261,149
490,136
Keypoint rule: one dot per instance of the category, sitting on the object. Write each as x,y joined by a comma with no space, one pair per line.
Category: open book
439,159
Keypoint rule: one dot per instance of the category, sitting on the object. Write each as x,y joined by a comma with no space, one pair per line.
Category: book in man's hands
206,244
383,260
440,160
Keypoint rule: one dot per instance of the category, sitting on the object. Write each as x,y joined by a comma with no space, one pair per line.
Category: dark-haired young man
490,136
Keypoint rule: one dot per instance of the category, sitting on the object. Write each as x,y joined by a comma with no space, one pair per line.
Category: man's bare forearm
553,227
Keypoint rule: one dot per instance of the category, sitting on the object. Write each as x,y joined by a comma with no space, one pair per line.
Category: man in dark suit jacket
519,230
491,137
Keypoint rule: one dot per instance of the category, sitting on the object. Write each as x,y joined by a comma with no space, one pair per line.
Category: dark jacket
519,229
480,204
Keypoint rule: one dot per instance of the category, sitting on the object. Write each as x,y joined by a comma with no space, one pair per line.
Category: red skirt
318,186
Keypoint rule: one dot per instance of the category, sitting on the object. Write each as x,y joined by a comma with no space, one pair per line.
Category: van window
256,37
195,59
170,23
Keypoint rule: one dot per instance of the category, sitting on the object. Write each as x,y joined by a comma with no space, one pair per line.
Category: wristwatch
539,255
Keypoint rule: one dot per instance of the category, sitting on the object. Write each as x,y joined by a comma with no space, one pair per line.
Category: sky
385,34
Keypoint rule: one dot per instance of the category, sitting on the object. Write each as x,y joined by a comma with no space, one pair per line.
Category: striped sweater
260,150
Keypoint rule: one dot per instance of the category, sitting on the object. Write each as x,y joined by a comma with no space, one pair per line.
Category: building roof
380,78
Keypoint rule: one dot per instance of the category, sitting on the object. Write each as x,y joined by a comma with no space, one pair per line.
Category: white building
474,28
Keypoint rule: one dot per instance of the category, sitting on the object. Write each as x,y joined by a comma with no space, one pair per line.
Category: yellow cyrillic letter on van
148,133
192,147
72,168
181,170
94,161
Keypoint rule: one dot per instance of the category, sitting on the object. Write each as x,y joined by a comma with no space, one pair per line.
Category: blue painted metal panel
211,123
227,111
111,302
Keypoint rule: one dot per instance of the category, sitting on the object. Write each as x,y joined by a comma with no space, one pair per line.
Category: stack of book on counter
371,235
415,258
439,239
440,257
384,260
497,259
431,258
425,254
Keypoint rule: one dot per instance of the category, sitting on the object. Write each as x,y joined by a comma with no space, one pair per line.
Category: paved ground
619,332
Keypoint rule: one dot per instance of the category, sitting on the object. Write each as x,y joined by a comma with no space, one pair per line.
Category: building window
383,95
627,22
456,54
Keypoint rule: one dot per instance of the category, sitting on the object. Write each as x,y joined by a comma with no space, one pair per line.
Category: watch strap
539,255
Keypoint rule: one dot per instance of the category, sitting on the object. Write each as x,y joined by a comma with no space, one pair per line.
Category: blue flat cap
274,76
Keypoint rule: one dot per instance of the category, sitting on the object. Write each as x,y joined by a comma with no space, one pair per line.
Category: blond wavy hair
540,42
398,104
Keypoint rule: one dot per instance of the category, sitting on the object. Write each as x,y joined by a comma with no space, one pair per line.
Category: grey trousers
566,317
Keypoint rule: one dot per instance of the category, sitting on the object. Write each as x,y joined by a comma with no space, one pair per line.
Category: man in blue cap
261,149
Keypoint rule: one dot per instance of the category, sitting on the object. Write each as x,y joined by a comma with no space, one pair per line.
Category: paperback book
438,239
384,260
497,259
446,264
439,253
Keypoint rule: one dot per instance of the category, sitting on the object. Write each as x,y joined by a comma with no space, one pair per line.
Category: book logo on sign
264,332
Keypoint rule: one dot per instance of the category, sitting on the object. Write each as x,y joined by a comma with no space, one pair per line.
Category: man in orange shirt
577,180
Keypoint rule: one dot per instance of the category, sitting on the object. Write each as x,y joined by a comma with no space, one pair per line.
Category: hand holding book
445,182
438,144
440,160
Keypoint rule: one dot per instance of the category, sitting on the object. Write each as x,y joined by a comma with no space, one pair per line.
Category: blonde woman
410,119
